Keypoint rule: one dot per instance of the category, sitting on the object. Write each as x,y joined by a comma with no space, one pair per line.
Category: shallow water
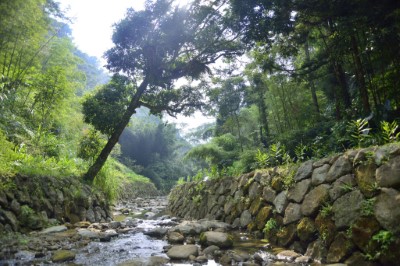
124,248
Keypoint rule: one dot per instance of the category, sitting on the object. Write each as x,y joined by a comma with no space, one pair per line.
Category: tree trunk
102,158
262,110
360,76
311,81
341,78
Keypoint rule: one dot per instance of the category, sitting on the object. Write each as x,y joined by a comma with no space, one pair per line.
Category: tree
159,45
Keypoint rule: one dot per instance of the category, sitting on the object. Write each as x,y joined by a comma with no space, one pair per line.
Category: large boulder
269,194
319,174
175,237
362,231
304,171
254,190
262,217
280,202
245,218
340,167
306,229
388,175
292,213
182,252
299,190
219,239
365,177
314,200
339,249
347,208
286,235
387,210
342,186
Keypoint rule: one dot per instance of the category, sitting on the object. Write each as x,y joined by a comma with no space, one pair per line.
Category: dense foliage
319,78
42,77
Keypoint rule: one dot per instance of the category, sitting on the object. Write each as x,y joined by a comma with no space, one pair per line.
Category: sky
92,31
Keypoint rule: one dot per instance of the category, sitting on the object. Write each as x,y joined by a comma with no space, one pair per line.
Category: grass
114,178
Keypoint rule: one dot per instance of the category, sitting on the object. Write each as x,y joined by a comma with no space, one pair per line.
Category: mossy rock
286,235
63,256
256,205
365,177
362,231
262,217
306,229
277,183
326,228
219,239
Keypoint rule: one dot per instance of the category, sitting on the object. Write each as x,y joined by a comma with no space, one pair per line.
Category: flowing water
133,247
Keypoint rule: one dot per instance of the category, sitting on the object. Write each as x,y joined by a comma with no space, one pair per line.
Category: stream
137,236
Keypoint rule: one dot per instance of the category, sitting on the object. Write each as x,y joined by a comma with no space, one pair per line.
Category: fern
359,132
388,132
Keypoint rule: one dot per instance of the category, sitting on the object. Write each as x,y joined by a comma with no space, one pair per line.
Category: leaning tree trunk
102,158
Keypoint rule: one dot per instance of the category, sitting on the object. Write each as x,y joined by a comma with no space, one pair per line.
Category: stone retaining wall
31,203
345,208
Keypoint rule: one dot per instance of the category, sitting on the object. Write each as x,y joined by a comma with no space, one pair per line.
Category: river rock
63,256
347,208
189,228
387,210
314,200
340,167
214,225
388,175
157,232
86,233
182,252
54,229
175,237
219,239
287,255
82,224
304,171
299,190
152,261
210,250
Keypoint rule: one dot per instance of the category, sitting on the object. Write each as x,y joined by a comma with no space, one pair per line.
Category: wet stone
182,252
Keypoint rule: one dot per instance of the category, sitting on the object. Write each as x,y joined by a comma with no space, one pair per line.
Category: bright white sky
92,31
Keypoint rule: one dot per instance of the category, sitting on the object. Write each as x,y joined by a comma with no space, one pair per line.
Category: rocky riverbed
142,234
